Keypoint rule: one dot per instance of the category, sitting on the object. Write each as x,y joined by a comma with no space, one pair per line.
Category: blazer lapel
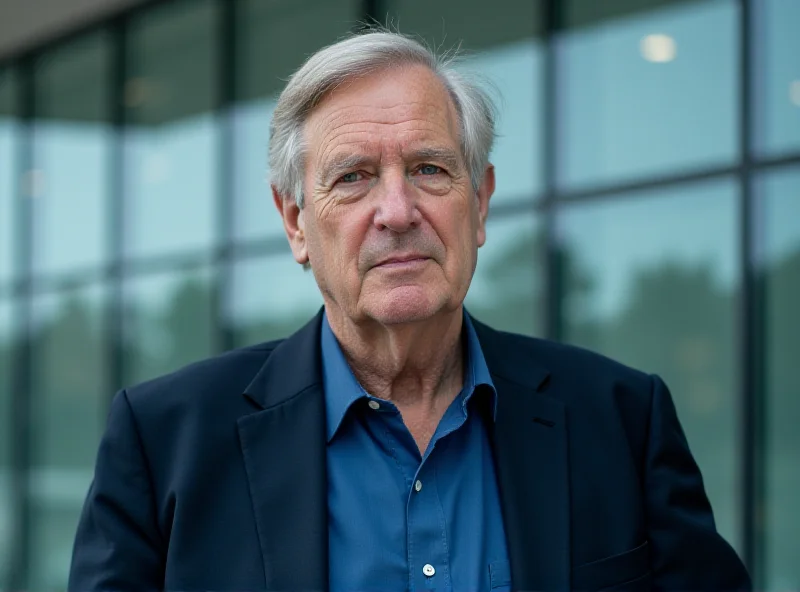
283,445
530,445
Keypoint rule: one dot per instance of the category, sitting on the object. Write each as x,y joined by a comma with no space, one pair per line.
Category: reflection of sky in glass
777,43
502,236
272,287
171,182
71,160
255,214
49,307
515,70
8,165
693,225
151,297
623,116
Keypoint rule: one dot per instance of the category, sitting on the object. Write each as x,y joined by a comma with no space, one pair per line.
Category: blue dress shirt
401,521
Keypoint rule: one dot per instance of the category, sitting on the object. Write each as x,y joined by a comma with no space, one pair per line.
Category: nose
397,205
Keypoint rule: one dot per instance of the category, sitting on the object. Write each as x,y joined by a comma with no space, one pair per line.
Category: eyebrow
339,164
448,157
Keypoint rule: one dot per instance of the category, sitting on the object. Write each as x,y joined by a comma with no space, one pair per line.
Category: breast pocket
500,576
626,571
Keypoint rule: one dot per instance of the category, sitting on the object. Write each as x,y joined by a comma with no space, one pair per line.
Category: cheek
342,239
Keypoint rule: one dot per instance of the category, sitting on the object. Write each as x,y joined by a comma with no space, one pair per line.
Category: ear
485,191
293,225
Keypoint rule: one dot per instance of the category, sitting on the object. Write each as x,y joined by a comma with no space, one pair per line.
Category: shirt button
374,405
428,570
418,485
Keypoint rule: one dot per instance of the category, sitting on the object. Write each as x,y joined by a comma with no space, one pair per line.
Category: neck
414,365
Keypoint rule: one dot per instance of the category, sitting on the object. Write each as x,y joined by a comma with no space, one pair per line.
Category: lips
399,259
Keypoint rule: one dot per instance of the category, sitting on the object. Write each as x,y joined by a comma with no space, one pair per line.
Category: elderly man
395,443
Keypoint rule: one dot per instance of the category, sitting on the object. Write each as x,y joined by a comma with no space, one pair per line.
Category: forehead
402,106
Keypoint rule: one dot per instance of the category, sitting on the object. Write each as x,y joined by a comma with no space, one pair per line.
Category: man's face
391,224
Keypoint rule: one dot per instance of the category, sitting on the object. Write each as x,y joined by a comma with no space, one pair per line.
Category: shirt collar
342,389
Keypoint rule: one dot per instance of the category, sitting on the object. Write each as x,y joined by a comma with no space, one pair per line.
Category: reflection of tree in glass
516,286
515,296
164,338
6,364
68,379
782,513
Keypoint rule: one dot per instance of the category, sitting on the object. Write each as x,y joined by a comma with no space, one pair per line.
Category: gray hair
358,56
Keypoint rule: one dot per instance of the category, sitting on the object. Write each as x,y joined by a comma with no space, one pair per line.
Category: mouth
402,261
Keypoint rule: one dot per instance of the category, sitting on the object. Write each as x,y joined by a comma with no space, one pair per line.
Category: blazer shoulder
559,357
228,373
585,380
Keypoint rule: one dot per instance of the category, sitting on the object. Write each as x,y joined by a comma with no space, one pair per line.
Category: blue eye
429,169
349,178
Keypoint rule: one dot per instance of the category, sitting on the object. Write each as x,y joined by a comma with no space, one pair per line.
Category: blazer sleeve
687,553
118,545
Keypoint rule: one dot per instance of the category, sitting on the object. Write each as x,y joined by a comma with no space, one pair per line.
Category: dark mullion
649,184
225,86
553,272
116,210
22,403
751,341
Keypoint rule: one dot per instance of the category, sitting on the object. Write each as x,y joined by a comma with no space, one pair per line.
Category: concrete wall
25,24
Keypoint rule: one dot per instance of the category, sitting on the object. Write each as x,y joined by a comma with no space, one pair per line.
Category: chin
404,306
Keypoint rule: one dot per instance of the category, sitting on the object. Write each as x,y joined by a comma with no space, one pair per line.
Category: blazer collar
530,447
294,366
283,447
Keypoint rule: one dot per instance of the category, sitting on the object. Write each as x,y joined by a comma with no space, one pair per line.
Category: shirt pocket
500,576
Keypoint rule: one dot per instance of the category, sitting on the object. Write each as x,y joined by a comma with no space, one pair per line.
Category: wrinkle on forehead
350,123
421,107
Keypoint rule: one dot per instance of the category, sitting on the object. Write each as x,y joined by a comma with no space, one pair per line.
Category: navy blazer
214,477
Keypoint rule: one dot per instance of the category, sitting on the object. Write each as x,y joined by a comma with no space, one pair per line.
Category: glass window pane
502,39
647,92
268,50
258,312
171,136
8,172
652,280
71,149
167,322
507,288
69,390
780,200
6,498
777,84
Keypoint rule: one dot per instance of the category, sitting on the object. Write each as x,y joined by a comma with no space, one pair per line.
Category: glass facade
6,434
647,207
777,77
71,146
648,92
68,385
9,157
